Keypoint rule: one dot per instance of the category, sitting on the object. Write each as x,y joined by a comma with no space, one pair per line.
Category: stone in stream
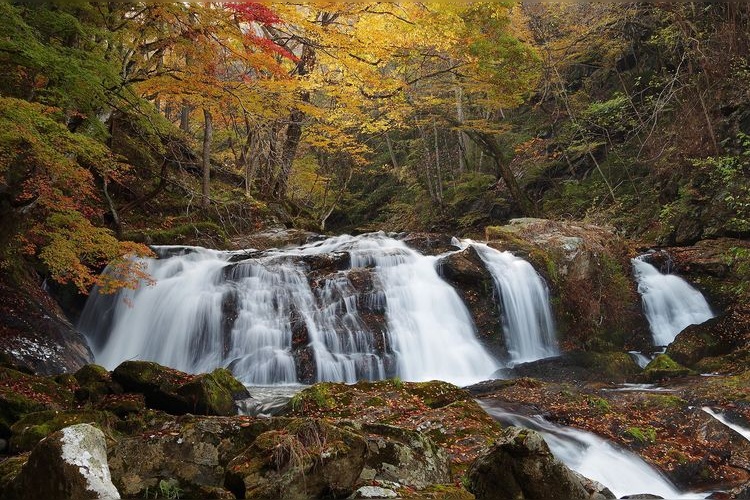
521,466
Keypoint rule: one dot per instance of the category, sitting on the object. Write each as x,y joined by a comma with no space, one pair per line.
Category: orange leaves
49,173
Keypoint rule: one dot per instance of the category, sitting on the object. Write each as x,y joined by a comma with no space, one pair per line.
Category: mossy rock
663,367
306,459
34,427
22,393
615,367
205,396
177,392
226,379
94,382
693,344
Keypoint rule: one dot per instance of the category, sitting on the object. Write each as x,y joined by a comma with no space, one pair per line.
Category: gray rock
70,464
403,456
374,492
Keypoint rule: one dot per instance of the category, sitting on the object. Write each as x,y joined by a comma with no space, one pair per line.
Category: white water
742,431
623,472
204,312
670,303
527,316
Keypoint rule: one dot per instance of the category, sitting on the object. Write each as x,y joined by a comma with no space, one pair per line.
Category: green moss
600,405
226,379
34,427
642,435
661,367
313,398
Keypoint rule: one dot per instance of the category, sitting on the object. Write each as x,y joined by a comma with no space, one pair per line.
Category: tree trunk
185,118
207,136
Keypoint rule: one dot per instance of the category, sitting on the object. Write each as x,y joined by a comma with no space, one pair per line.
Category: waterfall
269,319
527,316
742,431
623,472
670,303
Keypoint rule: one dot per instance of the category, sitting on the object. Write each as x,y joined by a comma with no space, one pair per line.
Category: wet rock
429,243
35,332
276,237
307,459
69,464
521,466
466,272
588,270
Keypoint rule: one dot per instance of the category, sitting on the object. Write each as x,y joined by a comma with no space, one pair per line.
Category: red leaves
252,12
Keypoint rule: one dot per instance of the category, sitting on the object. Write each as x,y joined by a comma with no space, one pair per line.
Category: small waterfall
623,472
527,316
267,319
670,303
742,431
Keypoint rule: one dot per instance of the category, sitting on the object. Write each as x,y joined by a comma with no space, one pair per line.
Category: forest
299,165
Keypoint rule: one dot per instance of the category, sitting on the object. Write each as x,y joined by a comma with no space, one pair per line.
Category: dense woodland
170,122
608,129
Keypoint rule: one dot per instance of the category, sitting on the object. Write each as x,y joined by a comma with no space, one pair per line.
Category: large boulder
94,382
34,427
520,466
588,270
444,413
306,459
177,392
71,464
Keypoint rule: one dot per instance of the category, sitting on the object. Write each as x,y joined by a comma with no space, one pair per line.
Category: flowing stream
670,303
623,472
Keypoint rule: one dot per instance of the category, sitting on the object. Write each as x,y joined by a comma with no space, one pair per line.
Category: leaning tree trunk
207,136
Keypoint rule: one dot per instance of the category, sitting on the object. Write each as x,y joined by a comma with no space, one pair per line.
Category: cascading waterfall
259,316
670,303
623,472
527,316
